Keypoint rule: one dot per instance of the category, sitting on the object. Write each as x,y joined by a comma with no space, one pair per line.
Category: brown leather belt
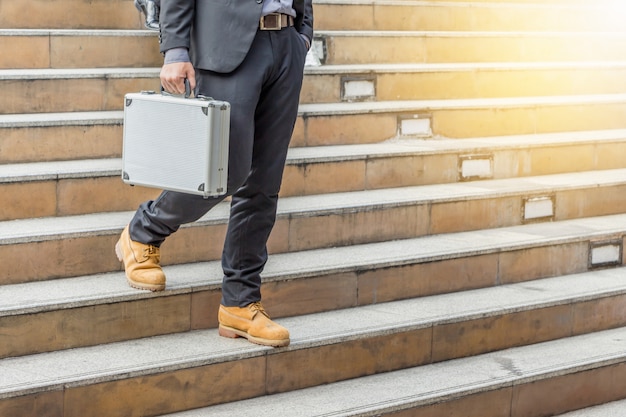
275,21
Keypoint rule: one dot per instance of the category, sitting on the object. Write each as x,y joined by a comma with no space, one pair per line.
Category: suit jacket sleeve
176,17
304,17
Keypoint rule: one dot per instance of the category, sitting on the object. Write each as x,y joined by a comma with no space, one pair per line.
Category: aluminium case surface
175,143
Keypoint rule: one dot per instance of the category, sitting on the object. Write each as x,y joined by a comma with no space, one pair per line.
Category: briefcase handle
187,90
187,93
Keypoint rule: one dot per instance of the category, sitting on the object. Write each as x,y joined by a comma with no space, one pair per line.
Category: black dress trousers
264,93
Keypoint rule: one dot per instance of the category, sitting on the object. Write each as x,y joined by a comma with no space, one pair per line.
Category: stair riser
71,197
74,327
470,83
68,328
545,397
342,129
432,17
449,48
107,192
80,93
76,14
69,94
79,51
270,373
60,143
24,51
319,129
57,50
120,14
93,141
72,256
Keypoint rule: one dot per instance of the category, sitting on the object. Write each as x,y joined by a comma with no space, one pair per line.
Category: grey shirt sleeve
176,55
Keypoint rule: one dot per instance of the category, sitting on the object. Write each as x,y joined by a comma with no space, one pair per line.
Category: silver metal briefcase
176,143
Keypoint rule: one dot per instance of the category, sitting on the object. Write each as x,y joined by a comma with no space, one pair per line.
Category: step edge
391,107
51,228
399,68
389,254
378,107
88,118
229,350
332,69
396,147
399,382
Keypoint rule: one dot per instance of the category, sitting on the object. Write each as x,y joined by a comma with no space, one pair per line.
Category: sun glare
618,6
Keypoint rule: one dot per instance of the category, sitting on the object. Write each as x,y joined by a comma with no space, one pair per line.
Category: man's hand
173,77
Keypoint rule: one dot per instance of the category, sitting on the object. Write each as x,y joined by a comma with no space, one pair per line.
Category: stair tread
515,4
69,73
398,390
459,66
120,72
351,33
78,32
296,155
412,105
37,171
41,296
328,109
171,352
41,229
471,33
87,118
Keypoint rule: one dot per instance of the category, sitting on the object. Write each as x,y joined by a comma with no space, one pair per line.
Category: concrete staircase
449,242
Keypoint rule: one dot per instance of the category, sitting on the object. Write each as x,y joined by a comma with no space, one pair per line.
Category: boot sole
134,284
233,333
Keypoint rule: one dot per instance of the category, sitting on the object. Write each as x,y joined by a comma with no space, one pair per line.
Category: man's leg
155,220
253,208
139,245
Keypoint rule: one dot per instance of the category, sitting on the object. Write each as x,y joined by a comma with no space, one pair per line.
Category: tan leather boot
253,323
141,262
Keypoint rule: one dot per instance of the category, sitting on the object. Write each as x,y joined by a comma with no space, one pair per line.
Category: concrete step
77,135
539,380
64,48
144,376
73,48
102,308
56,247
78,14
367,122
467,16
39,137
67,188
384,47
68,90
63,90
343,15
335,83
576,2
95,135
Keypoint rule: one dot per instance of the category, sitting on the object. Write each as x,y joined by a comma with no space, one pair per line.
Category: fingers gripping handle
187,90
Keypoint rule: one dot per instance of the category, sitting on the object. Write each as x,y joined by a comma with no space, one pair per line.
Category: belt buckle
270,22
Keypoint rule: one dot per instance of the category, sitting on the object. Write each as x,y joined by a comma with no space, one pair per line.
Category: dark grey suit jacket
218,33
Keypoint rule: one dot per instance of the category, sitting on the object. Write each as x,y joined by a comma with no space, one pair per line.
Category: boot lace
258,307
151,252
